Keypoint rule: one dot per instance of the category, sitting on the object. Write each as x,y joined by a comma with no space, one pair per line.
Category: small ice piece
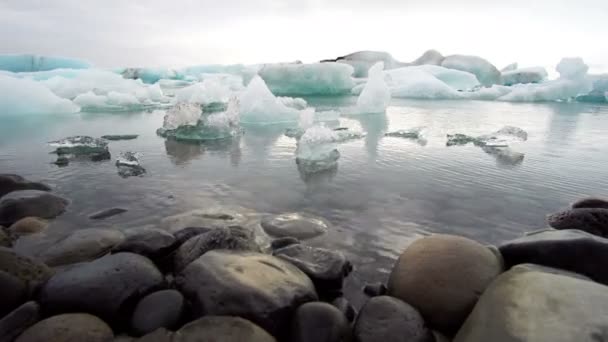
462,139
508,134
80,145
128,165
412,133
308,79
25,97
376,94
316,150
259,106
33,63
115,137
182,114
524,75
486,72
501,138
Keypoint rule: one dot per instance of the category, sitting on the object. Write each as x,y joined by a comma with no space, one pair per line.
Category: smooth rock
590,202
222,329
13,324
296,225
591,220
214,217
187,233
232,238
5,239
82,245
525,304
375,290
159,335
258,287
10,183
103,287
28,225
104,214
162,309
19,204
62,161
150,242
13,291
283,242
443,276
30,271
68,328
319,322
571,250
326,268
345,307
385,318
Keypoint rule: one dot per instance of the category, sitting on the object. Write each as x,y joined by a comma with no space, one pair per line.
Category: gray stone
11,182
345,307
19,204
82,245
231,238
384,319
159,335
162,309
296,225
5,239
259,287
31,272
187,233
283,242
101,287
214,217
150,242
525,304
13,324
591,220
222,328
590,202
319,322
28,225
13,291
68,328
375,289
443,276
104,214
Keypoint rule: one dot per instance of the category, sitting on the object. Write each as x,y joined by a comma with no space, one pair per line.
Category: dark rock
283,242
126,171
125,338
326,268
347,309
186,234
150,242
319,322
590,220
295,225
28,225
80,145
13,324
375,290
19,204
259,287
162,309
571,250
10,183
384,319
5,239
101,156
222,328
158,335
68,327
82,245
13,292
62,161
106,287
33,273
232,238
590,202
120,137
104,214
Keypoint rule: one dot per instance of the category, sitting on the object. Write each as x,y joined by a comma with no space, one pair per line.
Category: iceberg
208,91
524,75
24,96
486,72
33,63
259,106
199,72
430,57
414,83
316,150
416,133
376,94
128,165
459,80
308,79
510,67
599,91
362,61
572,68
182,114
150,75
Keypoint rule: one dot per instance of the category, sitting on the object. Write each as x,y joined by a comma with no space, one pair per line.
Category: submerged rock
11,182
319,322
591,220
28,270
222,328
104,214
82,245
375,289
162,309
23,317
62,161
19,204
14,292
297,225
120,137
68,327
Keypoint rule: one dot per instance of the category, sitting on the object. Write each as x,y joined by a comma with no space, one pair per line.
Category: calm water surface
384,193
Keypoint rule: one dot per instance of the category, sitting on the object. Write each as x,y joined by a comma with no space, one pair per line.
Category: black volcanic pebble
13,324
590,202
591,220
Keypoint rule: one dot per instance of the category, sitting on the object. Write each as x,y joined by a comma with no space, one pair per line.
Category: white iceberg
259,106
362,61
486,72
410,82
510,67
150,75
524,75
316,150
429,57
32,63
572,68
308,79
457,79
199,72
182,114
23,96
376,94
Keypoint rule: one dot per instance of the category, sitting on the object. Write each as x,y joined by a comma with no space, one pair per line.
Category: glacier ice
259,106
415,133
199,72
362,61
457,79
524,75
80,145
376,95
486,72
150,75
24,96
32,63
599,92
316,150
572,68
308,79
128,164
410,82
510,67
182,114
430,57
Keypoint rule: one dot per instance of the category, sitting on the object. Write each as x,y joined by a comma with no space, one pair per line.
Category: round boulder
101,287
283,242
28,225
297,225
345,307
5,239
259,287
150,242
68,327
443,276
222,328
590,202
11,182
28,270
23,317
19,204
385,318
82,245
319,322
591,220
162,309
14,292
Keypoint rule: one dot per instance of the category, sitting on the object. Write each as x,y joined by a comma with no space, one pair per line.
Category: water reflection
315,180
505,157
262,138
563,123
181,153
375,125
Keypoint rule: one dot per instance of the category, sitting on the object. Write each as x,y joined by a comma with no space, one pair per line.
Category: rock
62,161
439,337
214,217
68,327
486,72
19,204
120,137
10,183
14,292
326,268
186,234
82,245
525,304
345,308
432,57
125,338
283,242
104,214
33,273
385,318
375,290
295,225
150,242
222,328
13,324
319,322
232,238
162,309
104,287
571,250
590,202
259,287
443,276
590,220
5,239
28,225
159,335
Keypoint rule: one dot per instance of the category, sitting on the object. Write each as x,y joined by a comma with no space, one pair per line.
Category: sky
113,33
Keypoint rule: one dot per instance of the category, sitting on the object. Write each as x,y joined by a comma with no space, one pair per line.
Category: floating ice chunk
293,102
599,91
182,114
411,83
260,106
510,67
572,68
246,72
316,150
487,94
501,138
459,80
486,73
208,91
308,79
150,75
128,165
23,96
376,95
462,139
362,61
90,100
29,63
524,75
556,90
412,133
80,145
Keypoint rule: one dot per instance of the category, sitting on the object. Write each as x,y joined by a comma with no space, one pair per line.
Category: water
384,193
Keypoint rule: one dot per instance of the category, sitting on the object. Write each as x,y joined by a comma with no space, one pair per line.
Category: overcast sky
184,32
